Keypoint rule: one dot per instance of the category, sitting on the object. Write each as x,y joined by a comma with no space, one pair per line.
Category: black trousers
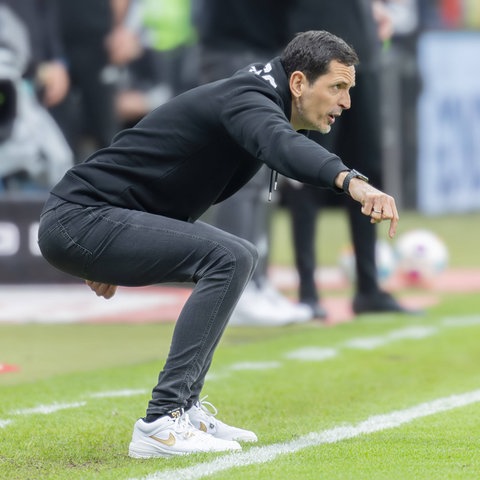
89,108
132,248
356,138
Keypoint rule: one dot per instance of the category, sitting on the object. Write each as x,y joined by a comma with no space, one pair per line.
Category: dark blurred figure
46,69
233,34
97,43
356,138
168,64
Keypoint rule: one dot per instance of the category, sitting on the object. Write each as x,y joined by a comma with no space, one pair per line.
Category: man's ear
297,80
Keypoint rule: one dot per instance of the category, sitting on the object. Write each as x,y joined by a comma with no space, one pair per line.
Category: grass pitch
315,395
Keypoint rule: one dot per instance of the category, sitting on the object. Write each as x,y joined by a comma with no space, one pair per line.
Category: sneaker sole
135,452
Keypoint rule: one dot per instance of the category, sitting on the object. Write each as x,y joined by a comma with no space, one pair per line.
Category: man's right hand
375,204
104,290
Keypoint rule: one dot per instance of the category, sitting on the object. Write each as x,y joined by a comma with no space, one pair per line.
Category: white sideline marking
315,354
376,423
369,343
409,333
416,332
254,366
468,321
47,409
118,393
4,423
214,376
413,333
55,407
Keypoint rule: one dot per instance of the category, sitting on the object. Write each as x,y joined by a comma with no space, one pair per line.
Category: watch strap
352,174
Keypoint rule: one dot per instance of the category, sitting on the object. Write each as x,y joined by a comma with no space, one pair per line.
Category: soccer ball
421,255
385,259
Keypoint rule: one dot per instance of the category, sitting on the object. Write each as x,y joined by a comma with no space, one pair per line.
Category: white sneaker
267,308
298,312
173,434
254,309
202,415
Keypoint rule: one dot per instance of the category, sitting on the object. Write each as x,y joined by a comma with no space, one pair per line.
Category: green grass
70,364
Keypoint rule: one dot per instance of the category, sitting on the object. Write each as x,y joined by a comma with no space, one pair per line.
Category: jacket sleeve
253,119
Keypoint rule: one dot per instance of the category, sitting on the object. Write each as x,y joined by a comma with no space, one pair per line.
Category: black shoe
379,302
318,312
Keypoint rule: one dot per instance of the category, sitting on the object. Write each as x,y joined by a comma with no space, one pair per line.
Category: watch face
361,176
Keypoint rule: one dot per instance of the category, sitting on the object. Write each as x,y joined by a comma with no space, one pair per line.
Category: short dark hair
311,53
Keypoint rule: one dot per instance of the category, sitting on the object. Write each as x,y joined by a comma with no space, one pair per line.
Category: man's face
315,106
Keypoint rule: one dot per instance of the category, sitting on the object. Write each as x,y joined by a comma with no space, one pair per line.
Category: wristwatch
352,174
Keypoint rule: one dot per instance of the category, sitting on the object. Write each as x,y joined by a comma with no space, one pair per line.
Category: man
97,41
128,214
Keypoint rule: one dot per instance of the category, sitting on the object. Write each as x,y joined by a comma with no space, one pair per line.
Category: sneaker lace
183,426
207,408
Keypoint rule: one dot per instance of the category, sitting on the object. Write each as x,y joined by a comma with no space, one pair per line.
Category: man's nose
345,101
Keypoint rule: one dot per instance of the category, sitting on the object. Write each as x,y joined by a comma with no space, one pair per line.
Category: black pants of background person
88,112
356,138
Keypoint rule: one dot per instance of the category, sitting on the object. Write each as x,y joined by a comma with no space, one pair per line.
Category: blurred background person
357,138
45,69
97,42
171,35
231,35
168,64
34,154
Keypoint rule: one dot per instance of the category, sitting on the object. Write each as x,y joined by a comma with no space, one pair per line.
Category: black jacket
201,147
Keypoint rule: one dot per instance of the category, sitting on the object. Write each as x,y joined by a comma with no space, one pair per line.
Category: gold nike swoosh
169,442
203,427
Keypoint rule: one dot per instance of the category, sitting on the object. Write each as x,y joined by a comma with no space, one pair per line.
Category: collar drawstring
273,183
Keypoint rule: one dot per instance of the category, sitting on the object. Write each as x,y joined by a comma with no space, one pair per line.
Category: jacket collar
275,76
